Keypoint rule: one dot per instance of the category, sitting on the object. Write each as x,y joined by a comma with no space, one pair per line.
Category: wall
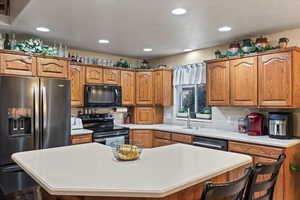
105,56
223,118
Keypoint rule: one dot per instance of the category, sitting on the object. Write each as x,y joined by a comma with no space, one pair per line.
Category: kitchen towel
113,141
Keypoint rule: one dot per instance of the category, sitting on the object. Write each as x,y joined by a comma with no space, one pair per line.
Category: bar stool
234,190
266,186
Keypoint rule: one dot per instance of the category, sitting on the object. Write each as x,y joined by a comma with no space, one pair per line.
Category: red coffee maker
255,124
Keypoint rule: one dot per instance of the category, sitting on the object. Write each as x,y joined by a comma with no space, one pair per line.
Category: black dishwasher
210,143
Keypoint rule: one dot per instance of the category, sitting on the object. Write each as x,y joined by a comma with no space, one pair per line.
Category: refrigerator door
17,114
55,107
13,179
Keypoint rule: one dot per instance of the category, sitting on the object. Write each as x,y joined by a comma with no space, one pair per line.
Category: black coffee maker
280,125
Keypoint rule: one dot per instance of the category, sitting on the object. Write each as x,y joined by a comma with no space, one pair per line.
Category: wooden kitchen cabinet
158,142
144,88
52,67
77,74
260,154
144,137
163,87
243,82
275,79
82,139
21,65
111,76
148,115
128,87
218,84
94,75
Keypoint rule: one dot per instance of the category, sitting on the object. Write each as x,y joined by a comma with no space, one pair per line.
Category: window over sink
194,98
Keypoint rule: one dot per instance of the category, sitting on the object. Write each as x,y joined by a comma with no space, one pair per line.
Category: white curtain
190,74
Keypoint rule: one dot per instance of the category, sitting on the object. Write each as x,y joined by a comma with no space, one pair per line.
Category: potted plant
218,53
283,42
204,114
181,112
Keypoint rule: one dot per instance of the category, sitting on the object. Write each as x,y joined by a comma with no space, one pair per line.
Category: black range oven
105,132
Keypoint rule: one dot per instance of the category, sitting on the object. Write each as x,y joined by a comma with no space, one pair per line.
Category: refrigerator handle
44,111
36,117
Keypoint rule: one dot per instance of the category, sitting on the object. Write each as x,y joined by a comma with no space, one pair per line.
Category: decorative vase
261,43
283,42
234,47
218,54
247,45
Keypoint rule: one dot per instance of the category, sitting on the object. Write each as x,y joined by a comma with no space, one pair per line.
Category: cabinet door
279,188
275,80
18,65
144,115
163,88
128,87
144,137
94,75
111,76
53,68
243,82
218,84
158,88
144,88
158,142
77,84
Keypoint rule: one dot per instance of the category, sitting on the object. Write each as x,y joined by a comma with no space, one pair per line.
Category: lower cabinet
82,139
162,138
142,137
260,154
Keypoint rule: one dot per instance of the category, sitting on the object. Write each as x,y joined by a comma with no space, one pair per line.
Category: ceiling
132,25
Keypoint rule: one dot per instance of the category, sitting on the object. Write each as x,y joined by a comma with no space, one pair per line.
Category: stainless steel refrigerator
34,114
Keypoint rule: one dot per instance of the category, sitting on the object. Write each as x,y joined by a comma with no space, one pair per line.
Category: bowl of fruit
127,152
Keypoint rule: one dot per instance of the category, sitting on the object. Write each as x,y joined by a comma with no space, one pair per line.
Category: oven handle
207,145
113,135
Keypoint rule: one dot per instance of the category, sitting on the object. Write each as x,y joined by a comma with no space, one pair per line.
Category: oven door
102,95
111,137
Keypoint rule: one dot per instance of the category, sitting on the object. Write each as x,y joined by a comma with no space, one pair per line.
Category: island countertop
91,170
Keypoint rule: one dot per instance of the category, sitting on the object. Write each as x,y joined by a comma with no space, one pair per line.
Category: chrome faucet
188,121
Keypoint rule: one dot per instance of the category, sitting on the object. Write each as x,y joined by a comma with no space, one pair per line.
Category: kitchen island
90,172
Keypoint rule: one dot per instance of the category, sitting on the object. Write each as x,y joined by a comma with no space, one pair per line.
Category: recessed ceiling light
102,41
147,49
187,50
178,11
224,29
43,29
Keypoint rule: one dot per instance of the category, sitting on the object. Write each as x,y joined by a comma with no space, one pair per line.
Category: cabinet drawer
81,139
162,135
182,138
252,149
161,142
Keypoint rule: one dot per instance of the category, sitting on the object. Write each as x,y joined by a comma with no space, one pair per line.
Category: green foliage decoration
35,46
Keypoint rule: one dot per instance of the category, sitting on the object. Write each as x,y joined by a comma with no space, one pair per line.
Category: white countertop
81,131
217,133
91,170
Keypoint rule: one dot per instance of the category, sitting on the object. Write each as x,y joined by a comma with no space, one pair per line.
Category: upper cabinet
275,79
128,87
243,91
111,76
94,75
77,84
218,83
270,79
144,88
163,90
18,65
52,67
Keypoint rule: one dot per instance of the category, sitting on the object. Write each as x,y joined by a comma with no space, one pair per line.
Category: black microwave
102,96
